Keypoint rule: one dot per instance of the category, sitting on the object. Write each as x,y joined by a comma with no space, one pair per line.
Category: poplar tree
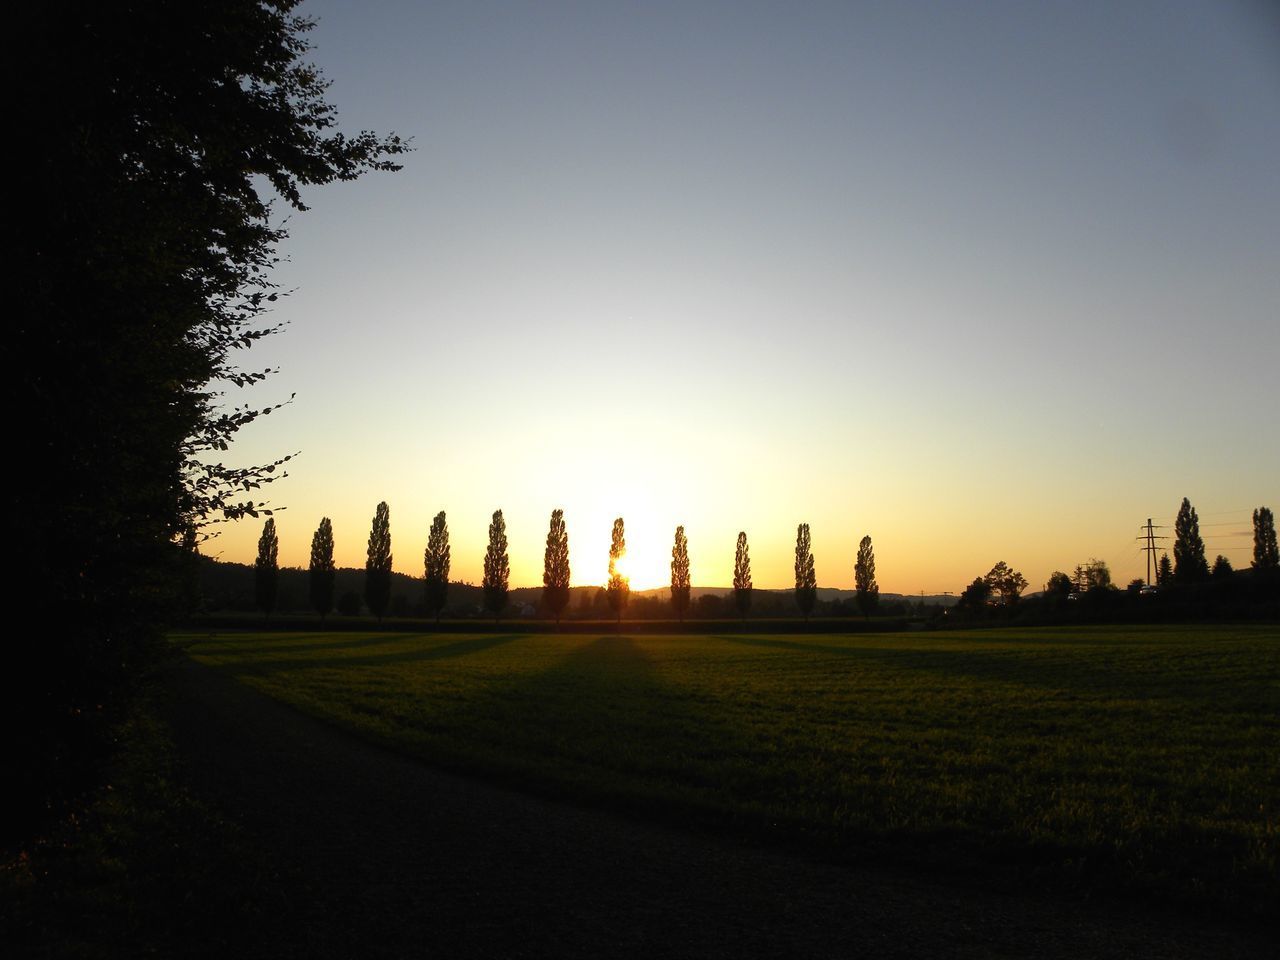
497,567
1265,554
806,579
1189,563
555,567
680,574
377,565
266,569
321,573
618,588
435,562
742,576
864,578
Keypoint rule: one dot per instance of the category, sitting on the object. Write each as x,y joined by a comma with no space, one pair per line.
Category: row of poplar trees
555,569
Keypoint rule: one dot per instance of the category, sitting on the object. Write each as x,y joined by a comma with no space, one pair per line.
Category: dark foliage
266,568
975,596
555,567
1189,563
321,573
435,562
377,565
864,578
1266,555
1006,582
497,566
141,267
349,604
1059,585
680,584
806,580
1092,576
742,576
618,589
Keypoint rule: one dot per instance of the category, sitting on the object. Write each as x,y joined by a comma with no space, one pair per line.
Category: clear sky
985,281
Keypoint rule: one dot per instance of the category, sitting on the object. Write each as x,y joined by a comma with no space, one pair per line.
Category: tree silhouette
435,562
742,576
974,597
1007,582
142,270
618,589
1059,585
680,574
266,569
321,573
1094,575
1266,556
555,567
806,579
1221,568
1189,563
497,567
1164,572
864,578
377,566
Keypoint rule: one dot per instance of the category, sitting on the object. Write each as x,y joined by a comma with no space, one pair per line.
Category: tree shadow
285,641
600,726
413,652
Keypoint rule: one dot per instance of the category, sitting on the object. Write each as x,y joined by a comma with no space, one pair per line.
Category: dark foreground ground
373,854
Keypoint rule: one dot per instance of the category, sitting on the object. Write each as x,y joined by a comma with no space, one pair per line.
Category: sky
989,281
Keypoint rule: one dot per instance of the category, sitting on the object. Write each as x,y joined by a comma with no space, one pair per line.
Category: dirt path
380,855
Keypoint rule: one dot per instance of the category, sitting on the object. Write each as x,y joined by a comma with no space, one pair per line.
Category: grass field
1101,759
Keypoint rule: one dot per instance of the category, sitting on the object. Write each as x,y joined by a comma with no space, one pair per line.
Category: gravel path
378,855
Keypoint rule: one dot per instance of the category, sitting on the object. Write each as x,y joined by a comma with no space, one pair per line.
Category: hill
229,588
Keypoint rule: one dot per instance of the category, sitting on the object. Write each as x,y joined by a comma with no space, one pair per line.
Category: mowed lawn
1146,758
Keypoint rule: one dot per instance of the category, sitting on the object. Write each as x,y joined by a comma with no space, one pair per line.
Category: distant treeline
230,588
1241,595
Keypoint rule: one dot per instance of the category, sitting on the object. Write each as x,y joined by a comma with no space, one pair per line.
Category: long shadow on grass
1119,673
602,726
285,642
413,651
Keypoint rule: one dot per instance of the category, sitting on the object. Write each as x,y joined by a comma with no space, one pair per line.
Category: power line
1149,547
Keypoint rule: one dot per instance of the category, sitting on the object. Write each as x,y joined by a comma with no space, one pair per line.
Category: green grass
1144,759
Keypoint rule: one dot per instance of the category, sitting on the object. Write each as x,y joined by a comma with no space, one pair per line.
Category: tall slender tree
864,578
680,574
806,579
1189,562
321,573
377,565
266,569
497,567
555,567
1164,572
1266,556
742,576
435,562
618,589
